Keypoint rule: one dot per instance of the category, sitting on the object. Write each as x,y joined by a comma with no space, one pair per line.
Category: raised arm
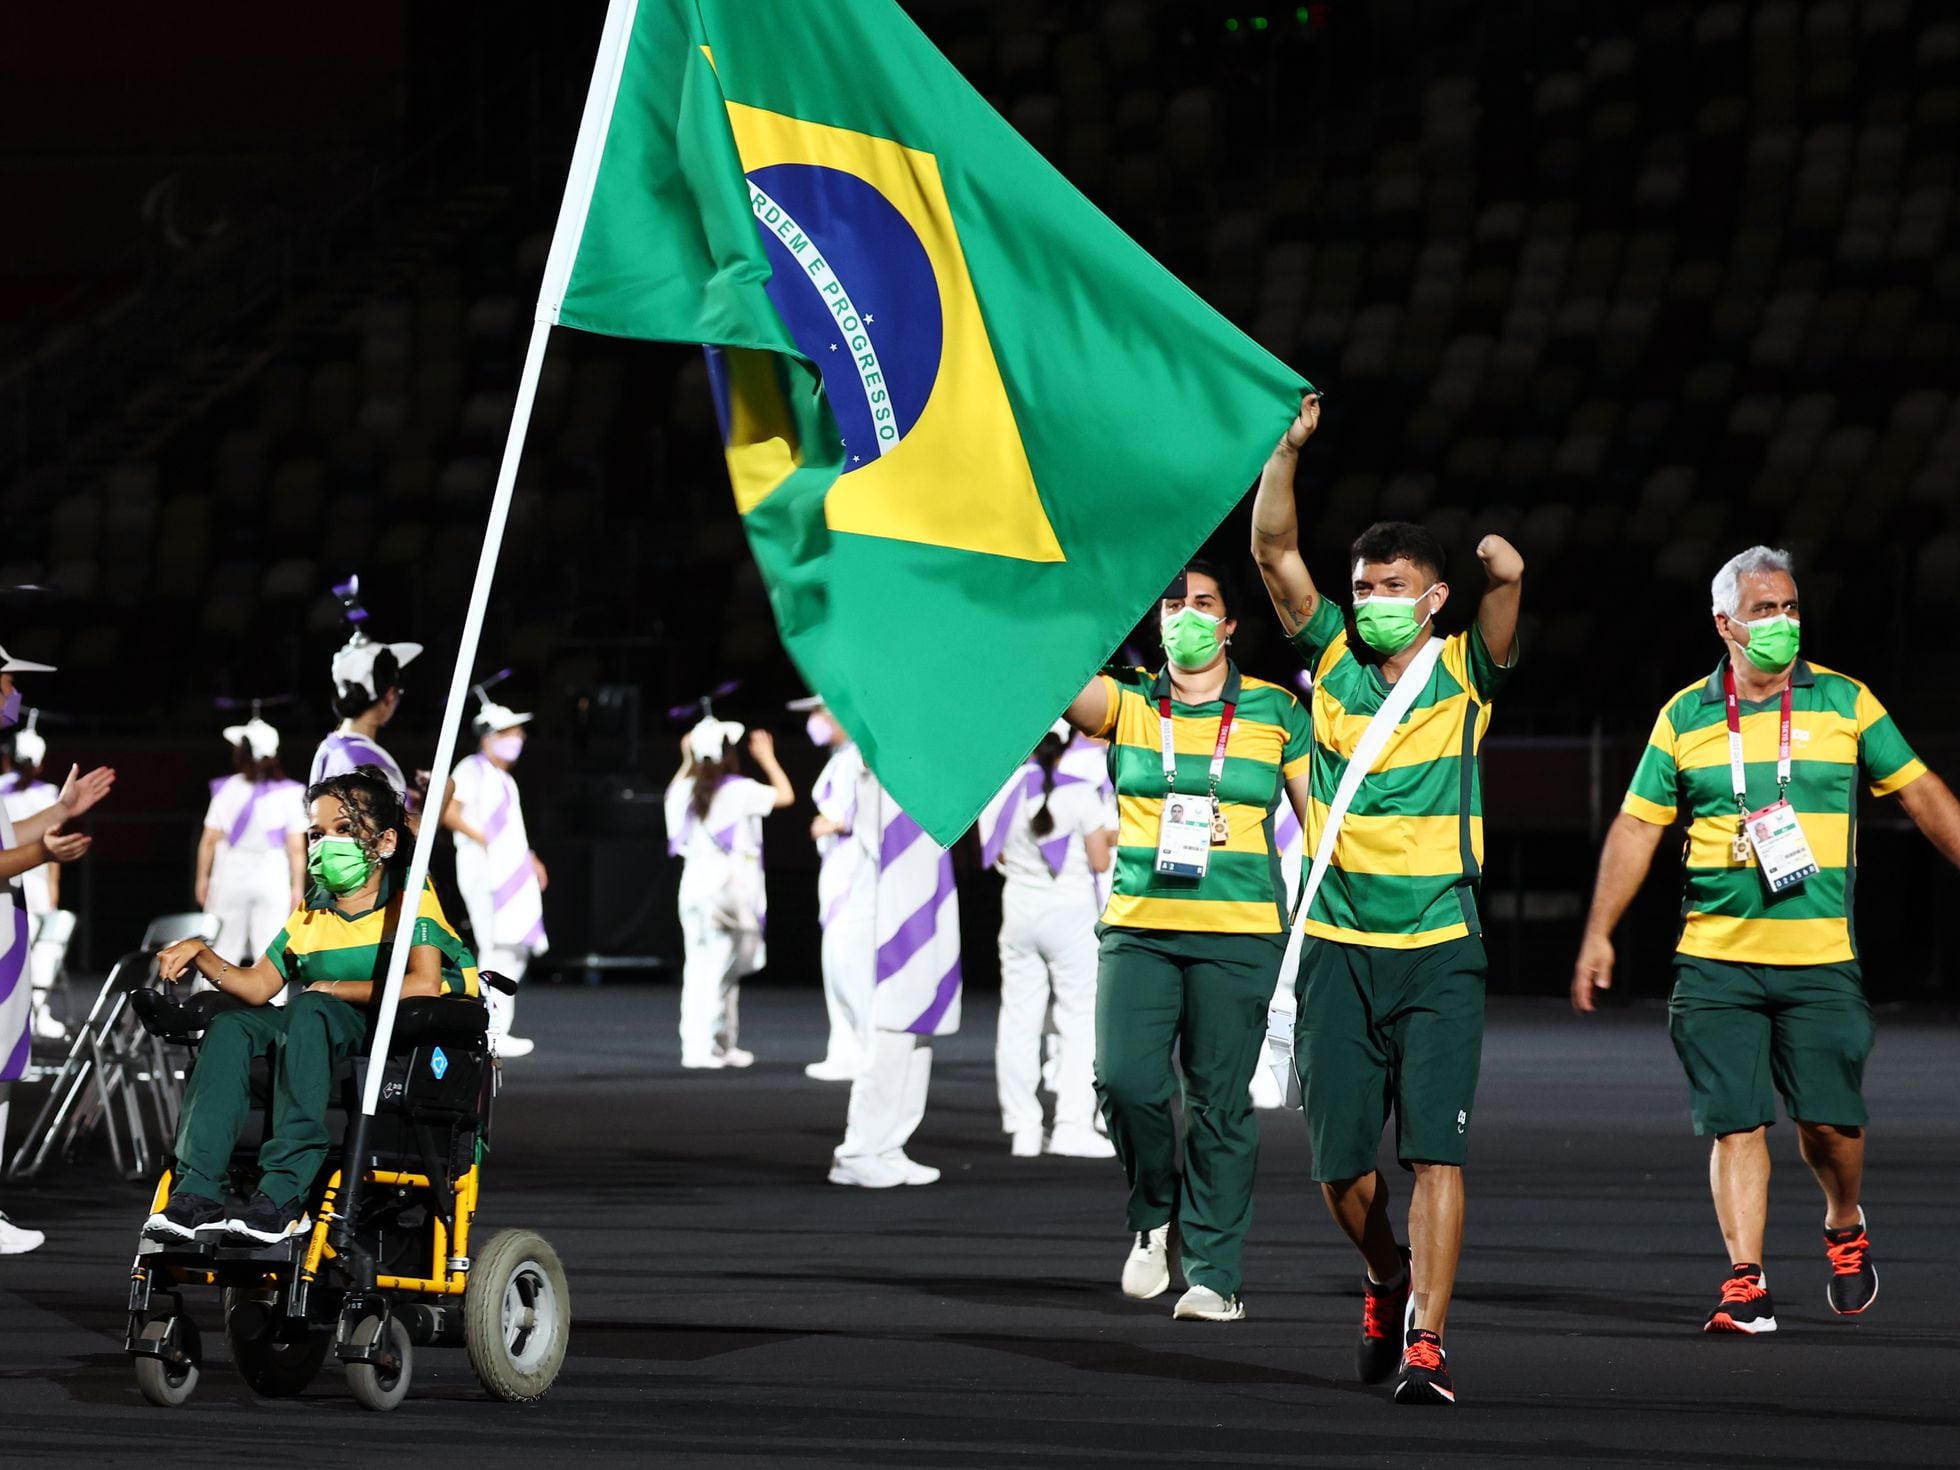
1497,614
1623,864
1276,524
762,745
1930,803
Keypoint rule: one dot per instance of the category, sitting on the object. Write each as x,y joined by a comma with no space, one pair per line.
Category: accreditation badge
1782,851
1184,838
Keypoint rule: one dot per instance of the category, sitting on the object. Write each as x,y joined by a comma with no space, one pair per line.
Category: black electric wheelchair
400,1274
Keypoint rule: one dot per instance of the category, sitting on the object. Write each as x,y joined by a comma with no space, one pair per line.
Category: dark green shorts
1741,1030
1389,1028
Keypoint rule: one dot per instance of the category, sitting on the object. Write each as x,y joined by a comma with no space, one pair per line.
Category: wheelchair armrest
171,1017
441,1020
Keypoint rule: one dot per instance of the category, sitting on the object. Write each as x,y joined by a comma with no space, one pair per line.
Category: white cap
11,665
30,747
255,732
495,716
807,702
707,740
354,664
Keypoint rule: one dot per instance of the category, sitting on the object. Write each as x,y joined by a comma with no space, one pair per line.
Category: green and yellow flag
973,429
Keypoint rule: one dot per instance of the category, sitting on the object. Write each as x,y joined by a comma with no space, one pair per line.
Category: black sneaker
1384,1323
1425,1376
264,1223
1854,1280
187,1216
1745,1305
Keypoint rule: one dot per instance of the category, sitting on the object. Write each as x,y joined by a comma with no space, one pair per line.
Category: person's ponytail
1046,755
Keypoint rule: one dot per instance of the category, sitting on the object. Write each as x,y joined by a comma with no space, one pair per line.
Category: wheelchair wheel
517,1316
271,1368
373,1386
170,1385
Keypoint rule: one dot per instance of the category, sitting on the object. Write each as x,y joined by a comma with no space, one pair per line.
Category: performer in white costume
500,878
37,840
366,694
909,915
251,859
848,952
714,824
24,794
1048,835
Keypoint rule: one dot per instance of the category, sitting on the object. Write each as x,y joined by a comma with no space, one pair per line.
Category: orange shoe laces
1848,1258
1739,1289
1422,1353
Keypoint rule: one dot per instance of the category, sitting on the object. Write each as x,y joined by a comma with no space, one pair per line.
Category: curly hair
373,806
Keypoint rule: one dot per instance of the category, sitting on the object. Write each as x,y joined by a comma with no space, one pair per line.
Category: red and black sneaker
1425,1377
1854,1280
1745,1305
1384,1322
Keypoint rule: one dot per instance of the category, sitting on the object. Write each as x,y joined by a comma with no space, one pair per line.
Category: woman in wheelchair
330,958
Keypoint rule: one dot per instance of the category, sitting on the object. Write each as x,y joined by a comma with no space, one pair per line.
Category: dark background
1635,286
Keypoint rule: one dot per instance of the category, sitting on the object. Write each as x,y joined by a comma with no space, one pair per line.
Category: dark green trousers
1206,995
306,1039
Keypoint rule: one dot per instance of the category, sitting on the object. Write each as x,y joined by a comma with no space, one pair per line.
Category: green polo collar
1801,677
1161,688
318,898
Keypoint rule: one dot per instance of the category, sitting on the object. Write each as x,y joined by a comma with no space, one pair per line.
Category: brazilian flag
973,429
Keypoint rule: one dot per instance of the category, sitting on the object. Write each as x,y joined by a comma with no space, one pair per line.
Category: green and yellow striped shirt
319,942
1405,867
1839,734
1242,891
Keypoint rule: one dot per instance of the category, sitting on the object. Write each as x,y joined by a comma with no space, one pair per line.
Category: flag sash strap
1415,678
579,183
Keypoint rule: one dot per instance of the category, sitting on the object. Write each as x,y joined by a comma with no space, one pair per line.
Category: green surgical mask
1388,624
1772,645
338,864
1191,638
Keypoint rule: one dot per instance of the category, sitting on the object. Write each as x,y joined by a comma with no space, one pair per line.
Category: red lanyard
1170,746
1736,769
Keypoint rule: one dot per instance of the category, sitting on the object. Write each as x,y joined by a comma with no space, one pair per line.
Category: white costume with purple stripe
848,863
16,989
251,891
21,802
1047,940
497,879
723,905
915,927
344,750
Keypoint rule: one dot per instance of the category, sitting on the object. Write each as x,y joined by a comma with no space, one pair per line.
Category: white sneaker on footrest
512,1046
1147,1272
1202,1304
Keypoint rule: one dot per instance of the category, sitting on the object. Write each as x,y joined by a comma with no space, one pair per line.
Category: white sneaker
829,1071
1147,1272
16,1240
914,1171
1079,1141
1025,1143
866,1172
1202,1304
736,1057
512,1046
46,1027
709,1063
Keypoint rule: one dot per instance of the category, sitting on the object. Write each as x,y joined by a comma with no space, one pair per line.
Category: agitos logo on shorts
868,276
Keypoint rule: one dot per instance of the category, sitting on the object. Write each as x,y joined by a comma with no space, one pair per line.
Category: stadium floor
731,1308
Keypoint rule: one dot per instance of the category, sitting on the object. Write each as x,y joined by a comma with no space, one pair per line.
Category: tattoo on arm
1295,616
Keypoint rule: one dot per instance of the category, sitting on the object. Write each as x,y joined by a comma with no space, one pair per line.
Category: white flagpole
579,182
